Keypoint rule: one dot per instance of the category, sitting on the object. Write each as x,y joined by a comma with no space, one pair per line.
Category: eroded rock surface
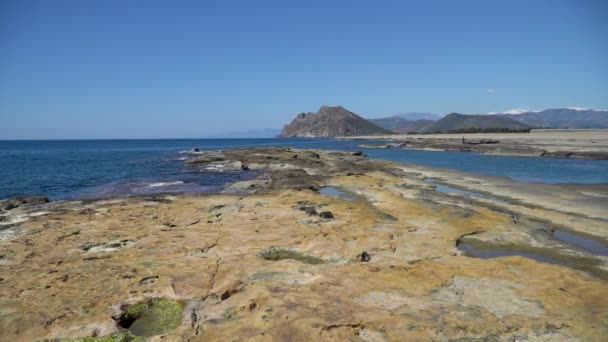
257,263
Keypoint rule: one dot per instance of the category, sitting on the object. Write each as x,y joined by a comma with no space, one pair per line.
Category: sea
80,169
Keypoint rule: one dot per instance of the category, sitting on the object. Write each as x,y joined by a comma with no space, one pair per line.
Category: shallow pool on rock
585,243
589,264
337,192
490,253
450,190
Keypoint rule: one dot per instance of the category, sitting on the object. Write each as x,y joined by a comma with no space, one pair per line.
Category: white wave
159,184
215,167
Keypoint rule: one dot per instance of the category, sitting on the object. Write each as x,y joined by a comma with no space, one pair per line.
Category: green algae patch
276,253
122,337
153,317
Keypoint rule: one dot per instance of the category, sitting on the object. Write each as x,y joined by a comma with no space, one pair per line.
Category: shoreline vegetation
393,252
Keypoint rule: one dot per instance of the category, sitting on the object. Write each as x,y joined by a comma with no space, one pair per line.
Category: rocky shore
576,144
323,245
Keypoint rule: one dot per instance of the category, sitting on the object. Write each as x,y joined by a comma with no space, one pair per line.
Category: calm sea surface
102,168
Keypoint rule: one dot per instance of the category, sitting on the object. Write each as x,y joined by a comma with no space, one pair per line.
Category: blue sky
136,69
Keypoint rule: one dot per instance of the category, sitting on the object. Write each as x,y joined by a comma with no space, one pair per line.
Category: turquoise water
101,168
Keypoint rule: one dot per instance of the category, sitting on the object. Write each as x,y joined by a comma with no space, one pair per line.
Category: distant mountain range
461,123
398,124
331,122
415,116
563,118
337,121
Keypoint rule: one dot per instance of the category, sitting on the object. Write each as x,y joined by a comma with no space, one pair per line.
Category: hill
563,118
460,123
415,116
330,122
400,125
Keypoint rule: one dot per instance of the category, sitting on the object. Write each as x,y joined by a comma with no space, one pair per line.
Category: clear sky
135,69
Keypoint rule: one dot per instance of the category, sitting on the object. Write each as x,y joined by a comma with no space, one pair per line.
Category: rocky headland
330,121
323,245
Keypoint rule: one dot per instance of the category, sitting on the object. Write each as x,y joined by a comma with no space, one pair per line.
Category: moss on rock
276,253
153,317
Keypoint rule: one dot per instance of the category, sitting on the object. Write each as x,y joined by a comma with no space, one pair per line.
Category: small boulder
327,215
311,211
365,257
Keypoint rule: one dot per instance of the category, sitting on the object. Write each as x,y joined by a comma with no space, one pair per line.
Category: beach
587,144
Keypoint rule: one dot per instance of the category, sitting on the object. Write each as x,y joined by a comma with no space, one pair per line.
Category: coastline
274,259
586,144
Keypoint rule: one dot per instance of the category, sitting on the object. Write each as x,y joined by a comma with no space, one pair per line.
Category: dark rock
148,280
225,295
293,179
357,153
310,211
18,201
196,149
365,257
327,215
556,154
479,141
579,155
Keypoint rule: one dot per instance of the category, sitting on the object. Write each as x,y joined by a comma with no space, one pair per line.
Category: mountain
460,123
400,125
415,116
563,118
330,122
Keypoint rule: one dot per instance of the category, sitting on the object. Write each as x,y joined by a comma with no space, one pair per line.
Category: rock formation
330,122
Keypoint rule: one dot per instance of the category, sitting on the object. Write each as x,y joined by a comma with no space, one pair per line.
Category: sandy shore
592,144
323,246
